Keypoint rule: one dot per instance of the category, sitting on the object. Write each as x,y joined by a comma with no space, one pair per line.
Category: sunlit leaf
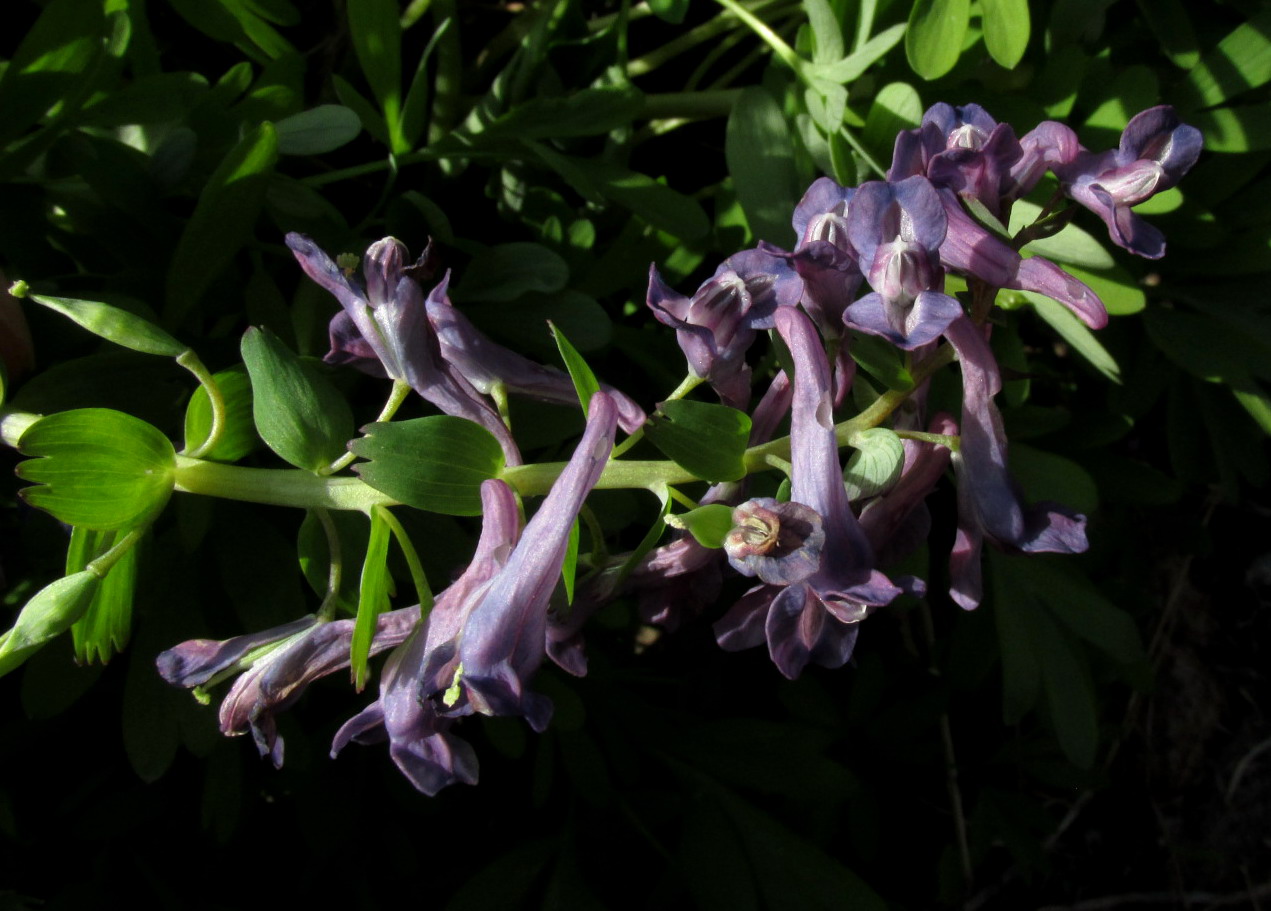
704,439
934,39
760,158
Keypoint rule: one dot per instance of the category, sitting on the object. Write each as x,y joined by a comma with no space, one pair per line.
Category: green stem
395,398
760,28
417,577
276,486
102,564
952,442
335,571
190,361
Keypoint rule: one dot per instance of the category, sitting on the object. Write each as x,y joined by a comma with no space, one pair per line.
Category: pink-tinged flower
485,363
778,542
419,671
383,330
813,620
277,665
896,230
989,503
717,325
1156,150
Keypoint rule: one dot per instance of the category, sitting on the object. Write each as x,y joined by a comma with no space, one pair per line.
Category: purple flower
503,639
384,330
716,326
988,500
813,620
416,673
897,230
778,542
485,364
302,651
1156,150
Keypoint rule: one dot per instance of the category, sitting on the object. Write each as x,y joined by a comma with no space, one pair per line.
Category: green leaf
1116,287
107,623
586,113
1071,245
238,436
376,31
937,29
1006,28
111,323
851,67
1070,699
1241,61
435,463
506,271
1075,333
585,382
222,222
875,465
896,107
48,614
569,567
98,468
1046,476
881,360
760,159
1172,27
1244,128
706,440
826,30
317,131
314,552
372,596
709,524
1086,613
1021,665
297,411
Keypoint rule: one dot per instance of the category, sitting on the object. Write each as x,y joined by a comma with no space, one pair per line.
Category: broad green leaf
827,103
317,131
585,383
55,55
297,411
238,436
222,221
1006,29
672,11
376,31
1134,89
1017,642
1244,128
1070,698
372,597
826,30
707,440
1071,245
1116,287
881,360
1241,61
935,36
97,468
435,463
107,623
1075,333
709,524
896,107
1046,476
760,158
1080,607
1172,27
851,67
506,271
875,464
112,323
48,614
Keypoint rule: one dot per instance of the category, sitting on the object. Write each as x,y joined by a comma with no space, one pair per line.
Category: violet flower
503,639
717,325
988,500
778,542
1156,150
813,620
485,363
303,651
420,741
384,330
897,230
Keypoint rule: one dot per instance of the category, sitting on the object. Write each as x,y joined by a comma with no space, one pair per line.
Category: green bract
435,463
298,413
50,613
97,468
875,464
238,436
707,440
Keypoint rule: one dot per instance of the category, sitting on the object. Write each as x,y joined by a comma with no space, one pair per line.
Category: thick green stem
190,361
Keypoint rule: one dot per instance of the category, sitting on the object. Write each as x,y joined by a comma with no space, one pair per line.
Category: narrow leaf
376,31
851,67
372,597
113,324
1240,62
1006,28
569,567
317,131
506,271
760,159
585,382
1076,334
937,29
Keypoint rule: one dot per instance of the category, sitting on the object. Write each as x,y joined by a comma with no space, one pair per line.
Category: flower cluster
872,259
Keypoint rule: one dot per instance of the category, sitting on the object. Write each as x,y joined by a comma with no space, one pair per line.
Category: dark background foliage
1094,736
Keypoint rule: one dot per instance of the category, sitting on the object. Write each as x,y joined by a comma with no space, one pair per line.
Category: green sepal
706,440
48,614
238,435
585,382
709,524
97,468
107,623
299,414
875,464
372,599
111,323
435,463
